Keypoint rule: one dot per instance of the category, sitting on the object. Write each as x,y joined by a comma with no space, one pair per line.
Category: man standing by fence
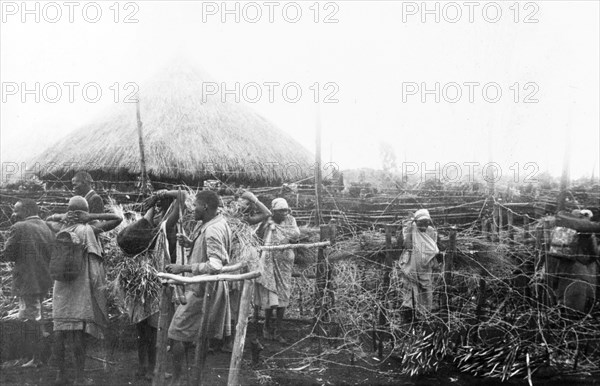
210,247
82,186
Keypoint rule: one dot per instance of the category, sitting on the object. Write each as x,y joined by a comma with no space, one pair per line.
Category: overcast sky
374,56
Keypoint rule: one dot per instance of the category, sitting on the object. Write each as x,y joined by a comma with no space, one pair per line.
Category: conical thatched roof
186,138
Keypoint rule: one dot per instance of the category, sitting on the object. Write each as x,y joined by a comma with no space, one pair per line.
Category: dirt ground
292,364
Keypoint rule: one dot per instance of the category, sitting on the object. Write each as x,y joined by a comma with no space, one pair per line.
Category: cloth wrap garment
274,285
80,304
416,264
212,246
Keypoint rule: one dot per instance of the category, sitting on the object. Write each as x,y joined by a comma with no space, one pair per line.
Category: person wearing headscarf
79,305
417,262
274,289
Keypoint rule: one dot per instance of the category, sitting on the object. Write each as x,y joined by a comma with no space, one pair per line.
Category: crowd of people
79,303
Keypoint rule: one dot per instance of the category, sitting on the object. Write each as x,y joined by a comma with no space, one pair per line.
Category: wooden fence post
240,334
539,256
448,266
166,310
384,299
495,223
484,227
202,341
545,247
500,222
321,281
332,239
510,220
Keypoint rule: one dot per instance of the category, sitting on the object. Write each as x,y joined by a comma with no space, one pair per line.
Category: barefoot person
79,305
274,289
210,247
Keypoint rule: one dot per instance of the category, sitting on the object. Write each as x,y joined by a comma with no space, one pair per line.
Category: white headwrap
422,214
279,204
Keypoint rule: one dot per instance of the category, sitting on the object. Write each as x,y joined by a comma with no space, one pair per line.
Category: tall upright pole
321,274
490,171
141,143
318,175
564,180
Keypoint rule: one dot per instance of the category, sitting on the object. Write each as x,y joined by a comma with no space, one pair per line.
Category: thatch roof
186,138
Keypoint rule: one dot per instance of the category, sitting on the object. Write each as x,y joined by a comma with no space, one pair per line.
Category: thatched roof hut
188,138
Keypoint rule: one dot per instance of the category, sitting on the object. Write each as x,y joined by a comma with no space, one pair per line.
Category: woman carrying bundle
137,238
250,211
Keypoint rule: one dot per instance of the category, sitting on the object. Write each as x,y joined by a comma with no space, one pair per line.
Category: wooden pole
526,235
500,222
564,181
144,175
202,341
318,175
490,171
510,220
448,266
484,231
480,299
180,258
164,320
329,291
495,223
166,311
240,334
383,317
547,229
321,281
283,247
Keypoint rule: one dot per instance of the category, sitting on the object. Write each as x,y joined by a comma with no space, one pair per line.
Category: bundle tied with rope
133,278
137,252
